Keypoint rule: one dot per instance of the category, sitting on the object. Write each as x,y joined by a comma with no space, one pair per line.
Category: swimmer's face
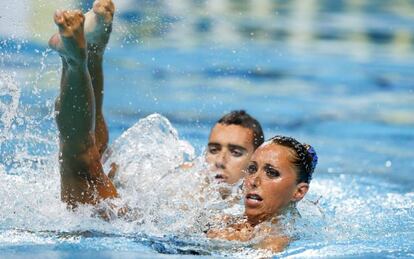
271,182
229,150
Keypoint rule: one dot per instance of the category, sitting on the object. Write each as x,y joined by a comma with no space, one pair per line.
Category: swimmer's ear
301,190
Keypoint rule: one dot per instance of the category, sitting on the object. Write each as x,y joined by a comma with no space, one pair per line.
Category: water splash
169,199
9,103
149,148
170,206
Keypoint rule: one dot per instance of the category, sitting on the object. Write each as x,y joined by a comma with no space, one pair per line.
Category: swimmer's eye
213,149
236,152
271,172
251,169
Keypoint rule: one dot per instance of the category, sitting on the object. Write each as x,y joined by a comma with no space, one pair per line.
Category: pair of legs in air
83,134
81,43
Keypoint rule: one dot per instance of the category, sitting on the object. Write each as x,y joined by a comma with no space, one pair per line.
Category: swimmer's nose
219,165
220,162
253,181
257,180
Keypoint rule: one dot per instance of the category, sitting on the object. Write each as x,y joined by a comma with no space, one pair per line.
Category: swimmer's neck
274,218
256,220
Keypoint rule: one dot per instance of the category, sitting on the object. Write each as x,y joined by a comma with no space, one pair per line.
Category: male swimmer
232,141
83,134
279,170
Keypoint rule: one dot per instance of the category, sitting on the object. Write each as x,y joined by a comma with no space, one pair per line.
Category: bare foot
98,24
70,41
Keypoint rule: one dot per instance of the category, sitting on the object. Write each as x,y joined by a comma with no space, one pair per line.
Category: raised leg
98,27
82,176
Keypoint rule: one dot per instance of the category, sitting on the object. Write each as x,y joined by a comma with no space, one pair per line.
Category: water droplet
388,163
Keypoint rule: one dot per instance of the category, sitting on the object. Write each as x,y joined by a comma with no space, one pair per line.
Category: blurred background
336,74
333,73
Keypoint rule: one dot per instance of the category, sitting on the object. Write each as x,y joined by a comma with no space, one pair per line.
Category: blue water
336,76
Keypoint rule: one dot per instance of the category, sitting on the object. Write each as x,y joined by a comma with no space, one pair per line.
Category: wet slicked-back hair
242,118
305,158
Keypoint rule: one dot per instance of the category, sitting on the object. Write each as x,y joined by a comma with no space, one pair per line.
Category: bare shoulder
237,231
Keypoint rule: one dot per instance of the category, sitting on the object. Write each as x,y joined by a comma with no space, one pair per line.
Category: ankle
95,51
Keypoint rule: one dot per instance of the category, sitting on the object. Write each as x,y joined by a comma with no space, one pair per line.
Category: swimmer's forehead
270,151
231,135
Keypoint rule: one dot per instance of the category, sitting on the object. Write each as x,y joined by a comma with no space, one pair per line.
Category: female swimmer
278,176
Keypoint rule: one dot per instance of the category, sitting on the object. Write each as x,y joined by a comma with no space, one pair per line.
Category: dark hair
305,158
242,118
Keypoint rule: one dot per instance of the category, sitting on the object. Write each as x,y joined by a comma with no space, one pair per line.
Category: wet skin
229,150
270,187
82,130
271,183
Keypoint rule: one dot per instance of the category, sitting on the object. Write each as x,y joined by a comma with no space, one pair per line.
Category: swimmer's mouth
220,177
253,196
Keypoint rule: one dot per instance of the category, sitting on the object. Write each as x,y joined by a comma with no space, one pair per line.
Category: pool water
336,76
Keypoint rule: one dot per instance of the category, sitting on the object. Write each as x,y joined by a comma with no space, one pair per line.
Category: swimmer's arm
274,243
